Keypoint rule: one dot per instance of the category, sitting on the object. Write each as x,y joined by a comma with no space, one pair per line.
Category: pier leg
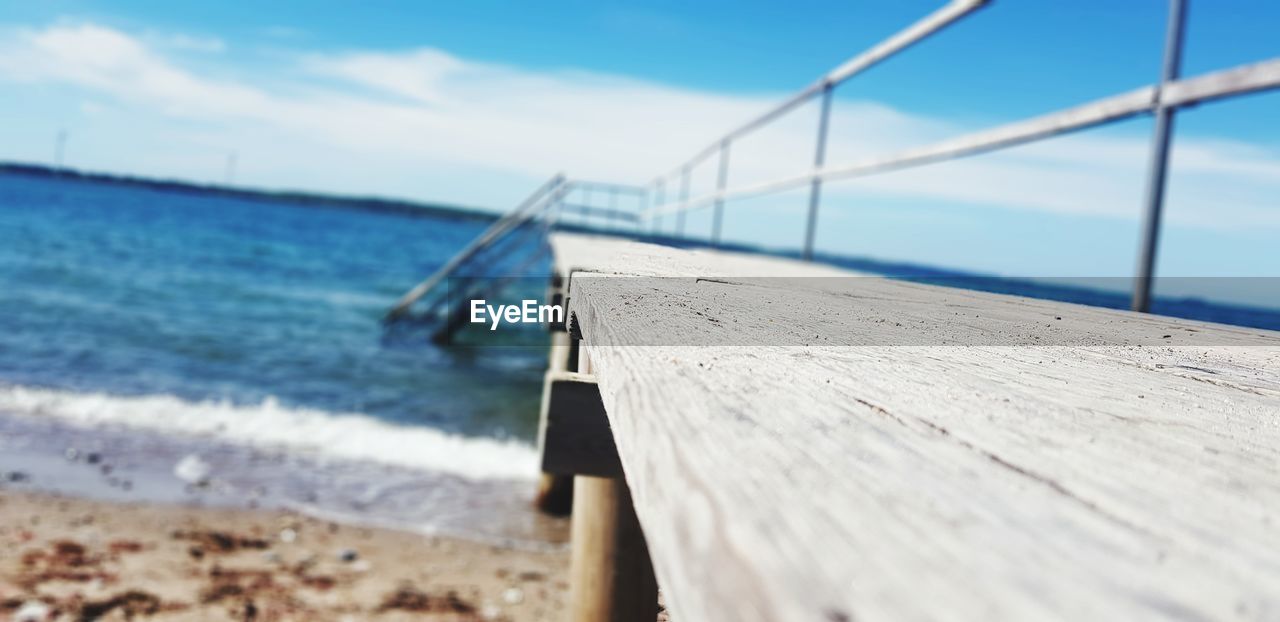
555,494
555,491
610,576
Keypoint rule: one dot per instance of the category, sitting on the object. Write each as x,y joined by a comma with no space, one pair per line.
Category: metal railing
536,214
822,87
527,209
1162,99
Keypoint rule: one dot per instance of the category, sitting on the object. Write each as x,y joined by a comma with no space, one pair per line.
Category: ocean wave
269,425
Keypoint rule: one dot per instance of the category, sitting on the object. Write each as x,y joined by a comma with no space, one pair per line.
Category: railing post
1162,135
684,199
717,218
584,217
819,158
642,203
645,200
553,212
613,210
660,190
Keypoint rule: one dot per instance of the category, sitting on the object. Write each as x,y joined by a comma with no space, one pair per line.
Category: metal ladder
537,205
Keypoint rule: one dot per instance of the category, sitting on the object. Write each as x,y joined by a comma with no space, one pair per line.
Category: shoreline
371,204
120,463
71,558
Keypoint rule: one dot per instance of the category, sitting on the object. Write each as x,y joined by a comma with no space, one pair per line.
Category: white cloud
417,75
383,109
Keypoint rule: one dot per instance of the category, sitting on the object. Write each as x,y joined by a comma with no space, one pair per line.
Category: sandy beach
64,558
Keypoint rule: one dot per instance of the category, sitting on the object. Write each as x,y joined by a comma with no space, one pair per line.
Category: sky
476,103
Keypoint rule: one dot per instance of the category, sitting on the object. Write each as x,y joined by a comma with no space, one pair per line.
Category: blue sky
475,102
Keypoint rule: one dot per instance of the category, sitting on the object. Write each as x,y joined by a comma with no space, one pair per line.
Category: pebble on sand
193,470
32,611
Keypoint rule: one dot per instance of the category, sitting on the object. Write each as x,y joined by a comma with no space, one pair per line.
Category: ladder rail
523,212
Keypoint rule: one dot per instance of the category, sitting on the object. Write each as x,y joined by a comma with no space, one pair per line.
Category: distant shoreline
1235,312
293,197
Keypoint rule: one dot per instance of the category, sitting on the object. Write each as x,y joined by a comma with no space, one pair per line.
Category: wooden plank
803,303
1100,480
609,255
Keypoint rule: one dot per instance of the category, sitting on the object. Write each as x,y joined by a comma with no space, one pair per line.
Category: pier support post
555,490
555,494
610,575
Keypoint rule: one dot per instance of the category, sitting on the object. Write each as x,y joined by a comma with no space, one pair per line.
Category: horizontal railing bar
1187,92
928,25
500,227
599,211
605,187
916,32
1239,80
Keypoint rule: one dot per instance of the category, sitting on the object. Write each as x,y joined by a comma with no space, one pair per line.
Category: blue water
158,329
129,291
230,351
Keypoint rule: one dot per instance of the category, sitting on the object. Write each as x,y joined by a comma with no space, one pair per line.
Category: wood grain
785,481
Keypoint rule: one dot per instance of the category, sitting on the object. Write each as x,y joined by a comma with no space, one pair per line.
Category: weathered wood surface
583,253
915,482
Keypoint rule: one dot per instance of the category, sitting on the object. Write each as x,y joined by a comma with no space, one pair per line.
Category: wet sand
67,558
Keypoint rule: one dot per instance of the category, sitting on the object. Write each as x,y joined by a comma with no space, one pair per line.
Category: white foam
350,436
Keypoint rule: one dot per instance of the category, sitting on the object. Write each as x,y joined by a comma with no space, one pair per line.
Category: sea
159,344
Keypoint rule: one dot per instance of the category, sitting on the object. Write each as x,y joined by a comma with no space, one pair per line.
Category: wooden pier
768,439
814,446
